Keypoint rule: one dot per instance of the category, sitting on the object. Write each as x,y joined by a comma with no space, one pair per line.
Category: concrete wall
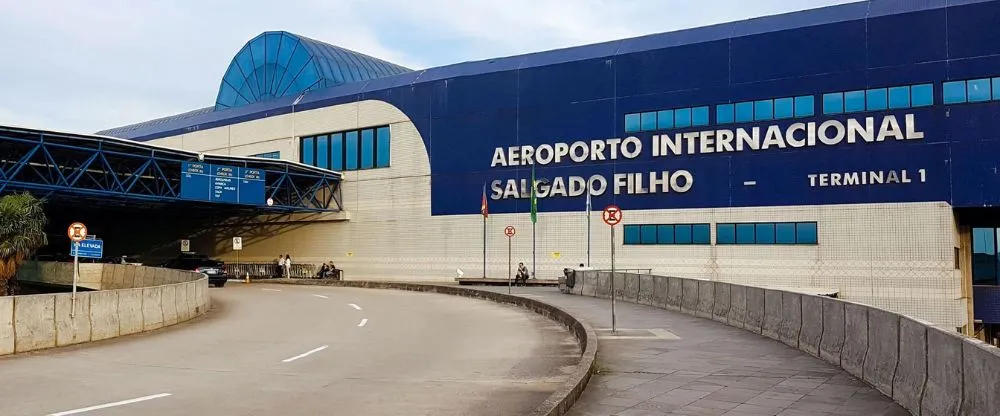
139,299
99,276
927,369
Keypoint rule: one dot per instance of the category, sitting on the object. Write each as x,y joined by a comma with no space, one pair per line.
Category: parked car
200,263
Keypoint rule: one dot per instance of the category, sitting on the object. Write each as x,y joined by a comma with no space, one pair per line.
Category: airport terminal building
852,148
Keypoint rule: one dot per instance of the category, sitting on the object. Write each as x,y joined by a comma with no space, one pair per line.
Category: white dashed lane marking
363,322
312,351
355,306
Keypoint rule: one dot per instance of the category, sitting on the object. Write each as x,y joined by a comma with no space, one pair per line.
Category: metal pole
508,264
613,327
588,227
484,247
533,257
76,274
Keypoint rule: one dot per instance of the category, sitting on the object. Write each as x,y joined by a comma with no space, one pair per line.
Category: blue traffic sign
220,183
92,249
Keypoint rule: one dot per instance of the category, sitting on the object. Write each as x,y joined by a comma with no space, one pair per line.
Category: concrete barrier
737,306
911,373
831,346
72,321
560,401
689,297
883,349
791,319
852,356
981,379
647,289
945,374
603,285
6,325
811,333
675,293
630,282
772,314
706,299
590,283
660,292
754,321
35,322
720,311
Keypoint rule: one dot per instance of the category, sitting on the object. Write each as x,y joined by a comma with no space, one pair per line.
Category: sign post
612,216
77,232
509,232
237,247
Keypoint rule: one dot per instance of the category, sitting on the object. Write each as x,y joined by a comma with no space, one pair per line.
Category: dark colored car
200,263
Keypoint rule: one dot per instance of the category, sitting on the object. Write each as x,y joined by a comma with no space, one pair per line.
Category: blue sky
86,66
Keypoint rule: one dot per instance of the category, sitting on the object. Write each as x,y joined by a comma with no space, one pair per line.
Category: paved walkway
668,363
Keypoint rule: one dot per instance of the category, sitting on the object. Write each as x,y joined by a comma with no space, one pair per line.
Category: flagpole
588,225
534,218
484,246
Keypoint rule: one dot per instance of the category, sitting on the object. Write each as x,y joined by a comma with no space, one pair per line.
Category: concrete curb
560,401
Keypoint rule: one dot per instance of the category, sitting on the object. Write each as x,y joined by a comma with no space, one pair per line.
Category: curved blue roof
280,64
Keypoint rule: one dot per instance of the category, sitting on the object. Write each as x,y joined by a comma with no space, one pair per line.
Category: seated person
522,274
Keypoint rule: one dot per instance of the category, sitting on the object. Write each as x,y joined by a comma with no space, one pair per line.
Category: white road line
272,290
105,406
355,306
321,296
363,322
288,360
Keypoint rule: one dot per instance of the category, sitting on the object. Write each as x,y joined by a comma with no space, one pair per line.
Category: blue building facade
875,102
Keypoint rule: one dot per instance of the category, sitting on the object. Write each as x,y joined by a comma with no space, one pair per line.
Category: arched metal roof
279,64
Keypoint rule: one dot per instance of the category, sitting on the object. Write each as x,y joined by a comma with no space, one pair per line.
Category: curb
560,401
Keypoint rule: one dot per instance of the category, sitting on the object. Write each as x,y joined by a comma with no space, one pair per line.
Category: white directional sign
237,243
185,245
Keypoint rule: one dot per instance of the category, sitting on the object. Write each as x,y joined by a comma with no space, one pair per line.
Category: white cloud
86,66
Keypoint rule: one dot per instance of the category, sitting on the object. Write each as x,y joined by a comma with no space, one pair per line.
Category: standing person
288,266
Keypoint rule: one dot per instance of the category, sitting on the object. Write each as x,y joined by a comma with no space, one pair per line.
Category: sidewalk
668,363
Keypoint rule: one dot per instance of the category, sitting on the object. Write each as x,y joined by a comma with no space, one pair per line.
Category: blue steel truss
110,170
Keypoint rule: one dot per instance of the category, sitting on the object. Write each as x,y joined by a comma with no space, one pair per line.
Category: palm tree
22,231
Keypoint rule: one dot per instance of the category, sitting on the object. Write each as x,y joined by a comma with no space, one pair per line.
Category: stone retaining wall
927,369
143,299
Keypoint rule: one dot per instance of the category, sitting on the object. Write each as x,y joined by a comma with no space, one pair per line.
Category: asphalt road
297,350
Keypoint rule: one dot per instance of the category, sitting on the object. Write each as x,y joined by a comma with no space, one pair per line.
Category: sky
84,66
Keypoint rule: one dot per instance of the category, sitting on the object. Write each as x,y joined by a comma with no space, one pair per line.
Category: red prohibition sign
509,231
612,215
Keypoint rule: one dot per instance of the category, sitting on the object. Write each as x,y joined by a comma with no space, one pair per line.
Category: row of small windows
347,150
776,109
907,96
801,233
666,119
971,91
767,233
268,155
667,234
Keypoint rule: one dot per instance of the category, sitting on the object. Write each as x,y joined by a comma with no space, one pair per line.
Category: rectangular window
323,152
979,90
877,99
382,147
665,233
784,108
648,121
665,119
805,233
367,149
765,233
854,101
308,151
833,103
922,95
647,234
724,114
899,97
631,234
268,155
682,234
984,256
351,151
682,117
701,234
763,110
996,88
337,151
632,123
784,233
699,116
744,112
954,92
805,106
725,234
745,234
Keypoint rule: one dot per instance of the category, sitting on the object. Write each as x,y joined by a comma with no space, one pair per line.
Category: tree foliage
22,232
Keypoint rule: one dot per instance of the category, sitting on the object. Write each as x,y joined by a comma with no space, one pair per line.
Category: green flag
534,197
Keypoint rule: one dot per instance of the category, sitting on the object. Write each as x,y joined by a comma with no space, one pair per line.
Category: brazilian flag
534,197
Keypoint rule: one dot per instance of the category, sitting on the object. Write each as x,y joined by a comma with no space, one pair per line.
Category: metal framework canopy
107,170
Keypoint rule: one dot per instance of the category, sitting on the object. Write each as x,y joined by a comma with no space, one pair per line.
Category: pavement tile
698,411
758,410
680,397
